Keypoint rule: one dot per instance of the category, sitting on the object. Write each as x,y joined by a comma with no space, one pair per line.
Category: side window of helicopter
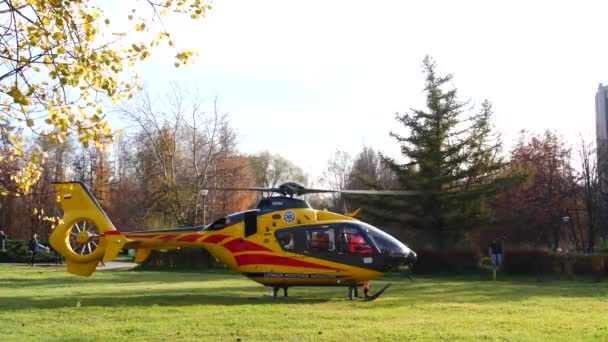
285,239
353,242
320,240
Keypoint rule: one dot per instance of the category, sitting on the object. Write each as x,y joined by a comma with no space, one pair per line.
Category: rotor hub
83,237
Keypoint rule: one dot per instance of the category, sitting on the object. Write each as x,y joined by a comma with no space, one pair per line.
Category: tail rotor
84,237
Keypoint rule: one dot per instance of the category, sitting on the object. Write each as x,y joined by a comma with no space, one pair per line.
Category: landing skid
275,292
377,294
352,293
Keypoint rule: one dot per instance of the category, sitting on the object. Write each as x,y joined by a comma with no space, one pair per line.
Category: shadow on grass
59,277
181,297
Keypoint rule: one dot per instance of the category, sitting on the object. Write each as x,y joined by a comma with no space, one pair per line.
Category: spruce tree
451,160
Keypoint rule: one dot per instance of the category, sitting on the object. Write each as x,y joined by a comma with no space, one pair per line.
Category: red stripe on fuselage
112,232
144,236
240,245
190,237
215,238
265,259
167,237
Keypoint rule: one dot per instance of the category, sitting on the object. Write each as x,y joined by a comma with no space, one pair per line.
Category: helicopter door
251,223
316,242
354,248
320,242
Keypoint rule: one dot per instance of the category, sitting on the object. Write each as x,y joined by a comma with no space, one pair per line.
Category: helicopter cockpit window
320,240
353,242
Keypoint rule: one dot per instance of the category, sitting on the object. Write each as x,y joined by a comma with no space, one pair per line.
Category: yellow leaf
29,122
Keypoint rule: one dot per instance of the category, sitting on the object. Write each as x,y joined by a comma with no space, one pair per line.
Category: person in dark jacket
3,239
32,245
496,253
58,257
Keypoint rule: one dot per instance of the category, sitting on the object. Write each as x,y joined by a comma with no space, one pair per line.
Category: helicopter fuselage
286,243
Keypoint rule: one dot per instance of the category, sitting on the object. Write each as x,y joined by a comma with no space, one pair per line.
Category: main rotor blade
381,192
249,189
316,191
362,192
304,191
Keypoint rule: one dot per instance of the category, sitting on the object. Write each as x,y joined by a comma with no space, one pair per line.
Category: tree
590,193
451,159
20,161
63,60
272,169
336,176
22,214
370,172
537,206
101,183
181,150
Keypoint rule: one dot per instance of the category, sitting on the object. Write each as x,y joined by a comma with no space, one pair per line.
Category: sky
306,78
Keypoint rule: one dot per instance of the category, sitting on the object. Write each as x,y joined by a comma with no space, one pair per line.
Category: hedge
452,261
17,251
545,262
525,261
183,258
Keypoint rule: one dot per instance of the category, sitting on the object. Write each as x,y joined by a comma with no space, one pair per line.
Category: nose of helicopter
411,257
404,257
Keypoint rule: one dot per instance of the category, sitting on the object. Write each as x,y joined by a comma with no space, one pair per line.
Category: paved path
114,265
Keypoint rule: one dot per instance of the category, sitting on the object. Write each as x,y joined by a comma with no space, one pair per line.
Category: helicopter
282,243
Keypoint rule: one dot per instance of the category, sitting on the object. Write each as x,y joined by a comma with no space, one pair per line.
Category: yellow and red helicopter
282,243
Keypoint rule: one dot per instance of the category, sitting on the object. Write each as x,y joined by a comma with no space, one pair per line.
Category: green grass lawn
46,303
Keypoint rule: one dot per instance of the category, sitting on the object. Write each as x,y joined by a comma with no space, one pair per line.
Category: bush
454,261
603,248
528,261
17,251
183,258
544,262
524,261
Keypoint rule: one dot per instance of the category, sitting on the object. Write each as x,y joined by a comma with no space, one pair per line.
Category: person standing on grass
366,289
496,253
32,245
491,249
3,239
58,257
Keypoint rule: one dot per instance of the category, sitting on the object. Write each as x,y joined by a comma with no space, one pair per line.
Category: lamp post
204,194
565,219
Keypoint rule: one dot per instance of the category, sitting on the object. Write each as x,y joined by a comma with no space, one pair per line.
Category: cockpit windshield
386,243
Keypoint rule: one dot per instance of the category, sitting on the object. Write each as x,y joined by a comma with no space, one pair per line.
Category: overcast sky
304,78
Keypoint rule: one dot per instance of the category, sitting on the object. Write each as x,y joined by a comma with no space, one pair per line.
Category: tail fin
85,234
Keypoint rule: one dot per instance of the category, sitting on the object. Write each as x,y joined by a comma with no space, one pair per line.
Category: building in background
601,135
601,129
